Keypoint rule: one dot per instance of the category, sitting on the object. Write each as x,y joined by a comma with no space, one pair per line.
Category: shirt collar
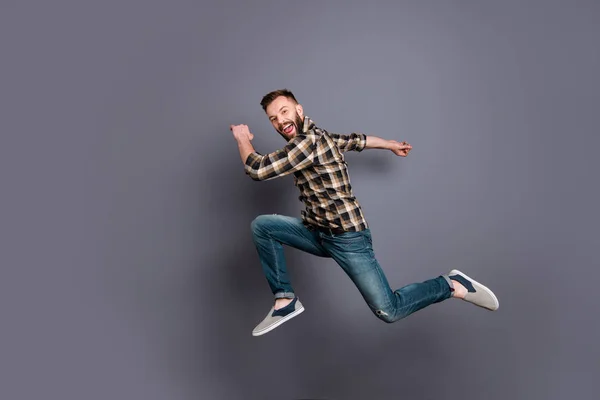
309,124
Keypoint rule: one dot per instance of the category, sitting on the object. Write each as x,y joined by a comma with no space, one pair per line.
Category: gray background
128,269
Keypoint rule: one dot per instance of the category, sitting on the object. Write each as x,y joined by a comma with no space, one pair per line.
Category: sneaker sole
485,288
276,324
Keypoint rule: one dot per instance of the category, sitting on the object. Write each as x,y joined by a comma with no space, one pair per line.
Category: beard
298,123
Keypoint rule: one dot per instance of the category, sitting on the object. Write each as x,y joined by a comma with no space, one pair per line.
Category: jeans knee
260,223
384,316
257,224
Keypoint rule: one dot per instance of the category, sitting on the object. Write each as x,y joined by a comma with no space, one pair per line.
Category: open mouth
287,129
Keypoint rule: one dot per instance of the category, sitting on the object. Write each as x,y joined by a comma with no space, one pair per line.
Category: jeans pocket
350,242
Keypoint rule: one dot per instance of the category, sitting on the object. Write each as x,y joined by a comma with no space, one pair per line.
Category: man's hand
242,135
399,148
241,132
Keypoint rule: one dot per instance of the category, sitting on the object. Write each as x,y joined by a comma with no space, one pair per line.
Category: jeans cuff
449,281
285,295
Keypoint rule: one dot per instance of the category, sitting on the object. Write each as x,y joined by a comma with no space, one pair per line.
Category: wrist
242,139
375,142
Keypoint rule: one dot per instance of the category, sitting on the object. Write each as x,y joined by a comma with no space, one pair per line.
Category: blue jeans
353,251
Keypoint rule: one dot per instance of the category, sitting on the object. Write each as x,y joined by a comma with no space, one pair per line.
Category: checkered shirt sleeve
351,142
297,154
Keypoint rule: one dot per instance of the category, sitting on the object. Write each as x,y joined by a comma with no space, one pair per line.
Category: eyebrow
281,108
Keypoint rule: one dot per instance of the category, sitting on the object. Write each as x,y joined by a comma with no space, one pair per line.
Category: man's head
284,112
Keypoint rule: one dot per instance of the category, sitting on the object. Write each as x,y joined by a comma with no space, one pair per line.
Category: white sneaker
476,293
277,317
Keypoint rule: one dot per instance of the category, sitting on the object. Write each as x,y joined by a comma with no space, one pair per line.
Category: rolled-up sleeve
352,142
296,155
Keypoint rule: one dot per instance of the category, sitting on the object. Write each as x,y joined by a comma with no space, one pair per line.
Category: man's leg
353,251
270,233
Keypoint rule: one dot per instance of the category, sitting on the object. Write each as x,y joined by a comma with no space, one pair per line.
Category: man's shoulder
310,127
301,137
303,141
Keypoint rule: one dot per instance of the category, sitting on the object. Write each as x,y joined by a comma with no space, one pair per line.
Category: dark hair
269,97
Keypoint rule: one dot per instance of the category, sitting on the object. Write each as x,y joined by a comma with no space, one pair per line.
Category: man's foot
472,291
282,302
276,317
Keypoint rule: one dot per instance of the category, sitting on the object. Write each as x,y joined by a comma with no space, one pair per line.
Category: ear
300,110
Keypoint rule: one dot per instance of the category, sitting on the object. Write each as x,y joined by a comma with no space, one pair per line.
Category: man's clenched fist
241,132
399,148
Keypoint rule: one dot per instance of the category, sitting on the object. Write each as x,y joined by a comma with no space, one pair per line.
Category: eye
285,111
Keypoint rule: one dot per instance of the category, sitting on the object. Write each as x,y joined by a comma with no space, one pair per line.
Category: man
333,224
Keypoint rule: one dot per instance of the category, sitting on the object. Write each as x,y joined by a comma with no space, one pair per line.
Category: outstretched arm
360,141
374,142
352,142
398,148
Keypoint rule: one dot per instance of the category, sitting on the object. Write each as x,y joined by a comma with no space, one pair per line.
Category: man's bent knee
261,223
384,316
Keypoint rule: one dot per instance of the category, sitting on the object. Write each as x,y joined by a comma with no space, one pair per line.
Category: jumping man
332,224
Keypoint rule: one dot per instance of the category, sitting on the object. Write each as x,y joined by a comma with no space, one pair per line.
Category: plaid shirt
315,157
